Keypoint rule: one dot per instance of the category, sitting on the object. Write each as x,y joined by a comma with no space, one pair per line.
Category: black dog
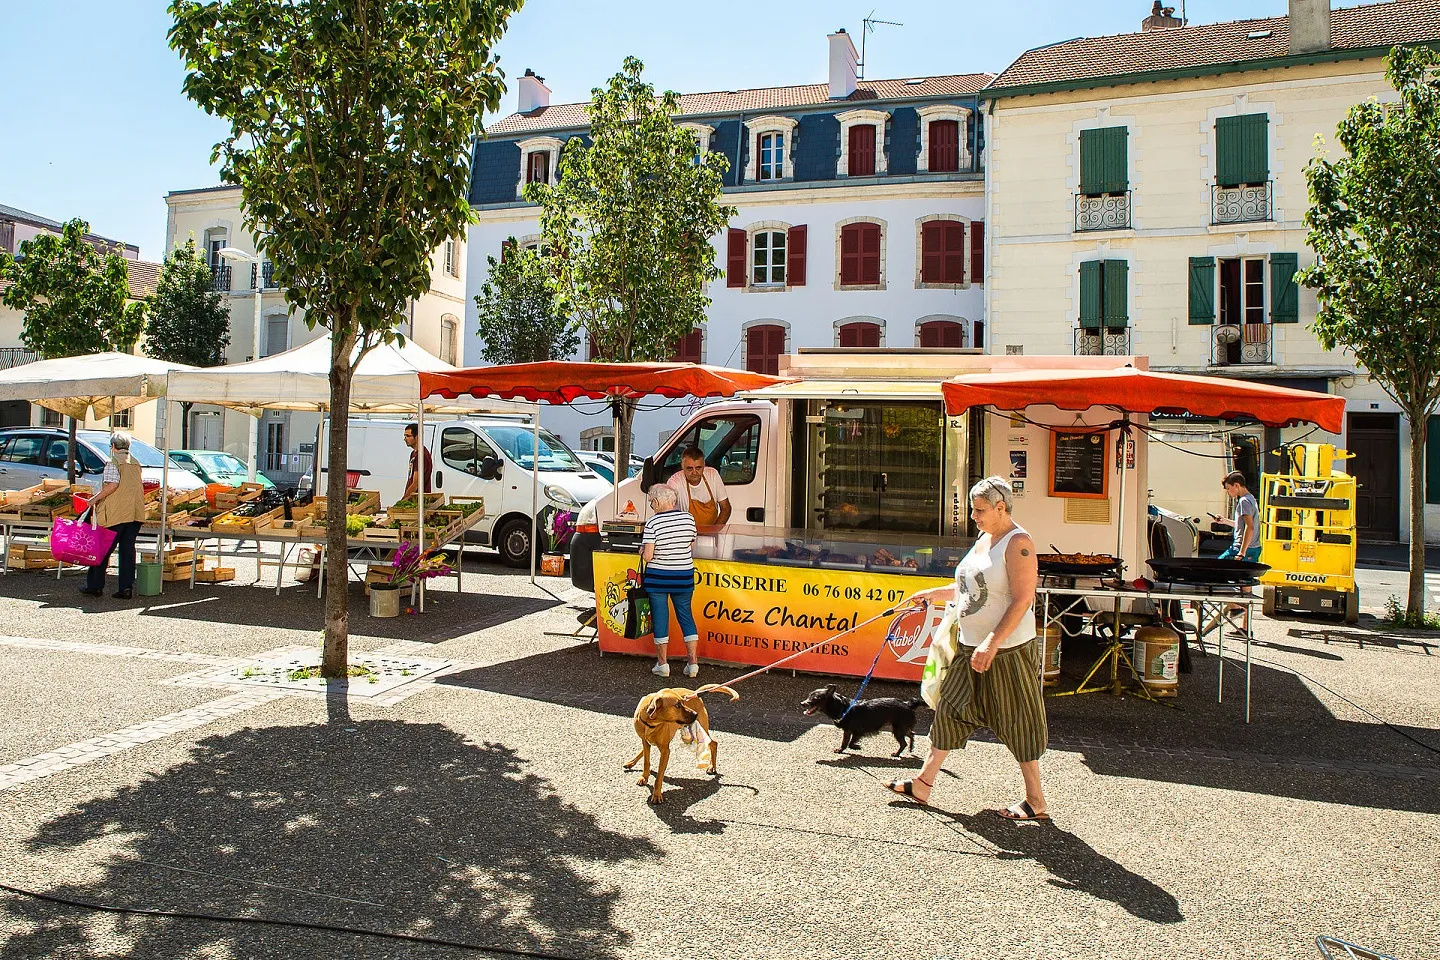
866,717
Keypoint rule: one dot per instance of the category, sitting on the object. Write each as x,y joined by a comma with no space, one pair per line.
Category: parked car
605,466
217,466
31,454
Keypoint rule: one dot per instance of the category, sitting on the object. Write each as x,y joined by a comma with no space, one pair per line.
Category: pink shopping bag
80,541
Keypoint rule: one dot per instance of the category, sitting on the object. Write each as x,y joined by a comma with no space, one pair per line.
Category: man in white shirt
700,490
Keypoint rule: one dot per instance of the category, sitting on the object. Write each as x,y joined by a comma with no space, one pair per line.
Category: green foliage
73,296
517,316
189,322
1397,616
1372,225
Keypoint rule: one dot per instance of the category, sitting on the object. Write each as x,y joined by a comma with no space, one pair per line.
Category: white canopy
387,381
107,382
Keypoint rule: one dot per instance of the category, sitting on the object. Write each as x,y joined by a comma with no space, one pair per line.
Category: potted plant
558,528
408,567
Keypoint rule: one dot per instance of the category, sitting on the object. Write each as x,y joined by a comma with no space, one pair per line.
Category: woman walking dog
994,679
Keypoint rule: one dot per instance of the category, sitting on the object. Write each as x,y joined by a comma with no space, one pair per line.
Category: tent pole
422,473
535,496
164,483
1121,456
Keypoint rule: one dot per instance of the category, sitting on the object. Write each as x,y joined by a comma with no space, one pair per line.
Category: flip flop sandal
906,788
1022,811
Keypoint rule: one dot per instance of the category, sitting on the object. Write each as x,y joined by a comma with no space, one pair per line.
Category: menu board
1077,465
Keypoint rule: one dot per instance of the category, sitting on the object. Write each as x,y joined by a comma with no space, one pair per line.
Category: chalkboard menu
1077,465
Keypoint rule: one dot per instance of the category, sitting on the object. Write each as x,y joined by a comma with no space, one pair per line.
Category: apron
706,512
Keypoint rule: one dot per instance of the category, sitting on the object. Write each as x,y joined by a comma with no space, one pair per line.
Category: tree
630,220
350,128
189,322
1377,268
75,299
517,315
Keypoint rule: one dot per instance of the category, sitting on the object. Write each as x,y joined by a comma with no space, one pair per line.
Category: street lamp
240,256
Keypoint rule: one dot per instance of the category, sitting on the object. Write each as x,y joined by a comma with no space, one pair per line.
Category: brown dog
659,716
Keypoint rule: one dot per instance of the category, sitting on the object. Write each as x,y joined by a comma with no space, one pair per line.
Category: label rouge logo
909,633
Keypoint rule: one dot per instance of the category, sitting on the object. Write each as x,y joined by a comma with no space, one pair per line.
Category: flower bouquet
410,565
558,527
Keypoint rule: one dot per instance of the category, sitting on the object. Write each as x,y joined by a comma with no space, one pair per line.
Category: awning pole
164,483
1123,454
422,472
535,496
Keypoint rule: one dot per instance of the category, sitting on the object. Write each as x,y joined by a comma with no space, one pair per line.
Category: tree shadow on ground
1382,635
371,823
1073,864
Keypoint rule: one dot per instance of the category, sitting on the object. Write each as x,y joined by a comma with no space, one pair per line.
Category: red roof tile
1216,44
572,115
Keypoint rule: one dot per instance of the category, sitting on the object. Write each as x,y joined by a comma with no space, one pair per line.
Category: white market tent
104,382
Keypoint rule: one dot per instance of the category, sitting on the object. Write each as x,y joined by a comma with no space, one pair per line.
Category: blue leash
889,635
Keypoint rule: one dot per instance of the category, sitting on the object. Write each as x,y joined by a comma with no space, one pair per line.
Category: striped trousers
1006,698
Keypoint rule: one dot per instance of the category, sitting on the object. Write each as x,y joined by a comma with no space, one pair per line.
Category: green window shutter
1432,459
1090,293
1255,148
1117,307
1202,290
1227,151
1092,161
1117,173
1284,293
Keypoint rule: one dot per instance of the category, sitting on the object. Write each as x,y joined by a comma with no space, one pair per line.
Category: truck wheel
514,543
1267,605
1352,605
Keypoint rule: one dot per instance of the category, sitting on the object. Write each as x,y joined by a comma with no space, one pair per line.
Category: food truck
849,492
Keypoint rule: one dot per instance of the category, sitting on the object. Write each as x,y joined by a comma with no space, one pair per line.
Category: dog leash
889,635
813,646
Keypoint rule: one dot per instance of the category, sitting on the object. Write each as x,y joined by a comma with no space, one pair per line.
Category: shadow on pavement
1383,635
400,827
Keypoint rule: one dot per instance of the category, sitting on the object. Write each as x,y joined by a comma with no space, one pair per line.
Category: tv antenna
867,26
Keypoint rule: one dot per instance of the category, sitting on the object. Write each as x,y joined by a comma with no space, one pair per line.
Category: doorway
1374,439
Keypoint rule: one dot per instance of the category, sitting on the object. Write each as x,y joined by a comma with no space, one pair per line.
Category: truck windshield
519,445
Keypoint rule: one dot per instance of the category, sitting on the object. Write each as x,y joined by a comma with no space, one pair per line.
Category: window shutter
1116,176
870,253
735,254
862,150
687,348
1284,293
506,249
929,335
1228,158
1254,133
763,345
977,251
1116,284
1092,168
979,340
1090,293
932,251
944,146
941,333
850,253
860,335
1432,459
795,256
954,237
1202,291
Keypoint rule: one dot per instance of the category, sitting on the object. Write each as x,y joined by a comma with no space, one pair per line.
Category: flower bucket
384,600
552,564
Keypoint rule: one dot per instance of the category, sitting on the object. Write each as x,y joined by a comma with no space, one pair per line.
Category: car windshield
219,463
519,445
140,451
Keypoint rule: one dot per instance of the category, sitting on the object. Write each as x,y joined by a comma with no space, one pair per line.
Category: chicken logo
614,605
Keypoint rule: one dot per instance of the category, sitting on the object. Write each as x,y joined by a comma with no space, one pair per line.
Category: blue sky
95,124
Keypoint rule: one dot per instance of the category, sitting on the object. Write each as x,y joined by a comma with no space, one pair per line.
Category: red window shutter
978,341
977,251
594,347
860,335
774,346
929,335
763,345
506,249
944,146
870,253
850,253
862,150
735,254
932,252
687,349
942,333
795,256
954,238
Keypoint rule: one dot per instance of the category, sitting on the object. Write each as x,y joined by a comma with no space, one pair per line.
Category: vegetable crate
244,493
410,514
229,523
30,557
17,498
280,527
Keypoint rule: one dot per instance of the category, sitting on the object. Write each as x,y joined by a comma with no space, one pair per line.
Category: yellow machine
1307,534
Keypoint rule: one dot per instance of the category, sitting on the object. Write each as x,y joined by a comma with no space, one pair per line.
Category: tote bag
639,613
80,541
942,653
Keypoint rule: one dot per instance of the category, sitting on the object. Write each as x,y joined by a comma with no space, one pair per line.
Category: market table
1198,599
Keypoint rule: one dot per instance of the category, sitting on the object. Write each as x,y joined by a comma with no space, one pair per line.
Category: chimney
1309,26
843,60
533,92
1161,18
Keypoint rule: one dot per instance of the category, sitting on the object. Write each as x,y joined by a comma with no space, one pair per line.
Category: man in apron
700,490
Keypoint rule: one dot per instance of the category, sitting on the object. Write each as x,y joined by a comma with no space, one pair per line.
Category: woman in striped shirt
667,551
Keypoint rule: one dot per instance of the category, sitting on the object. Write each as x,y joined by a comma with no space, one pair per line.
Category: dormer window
539,159
771,151
862,143
944,139
703,133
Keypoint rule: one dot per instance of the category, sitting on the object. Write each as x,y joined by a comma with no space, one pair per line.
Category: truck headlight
561,496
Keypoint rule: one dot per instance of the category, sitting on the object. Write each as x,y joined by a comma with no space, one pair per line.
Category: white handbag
942,654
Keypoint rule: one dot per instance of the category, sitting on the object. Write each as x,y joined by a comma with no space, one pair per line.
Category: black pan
1206,570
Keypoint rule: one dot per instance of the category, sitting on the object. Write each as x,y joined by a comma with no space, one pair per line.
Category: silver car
31,454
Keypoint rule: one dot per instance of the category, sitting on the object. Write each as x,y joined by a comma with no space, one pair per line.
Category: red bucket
78,503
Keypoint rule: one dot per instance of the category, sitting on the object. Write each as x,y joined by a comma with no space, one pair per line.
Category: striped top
673,534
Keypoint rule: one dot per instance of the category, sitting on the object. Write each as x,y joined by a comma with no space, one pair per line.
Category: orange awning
1140,391
558,381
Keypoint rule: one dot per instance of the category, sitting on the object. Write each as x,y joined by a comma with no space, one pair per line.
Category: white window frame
1264,261
771,124
266,320
550,145
859,118
943,111
531,242
450,338
751,233
703,132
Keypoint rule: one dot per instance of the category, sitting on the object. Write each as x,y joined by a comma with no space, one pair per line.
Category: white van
484,457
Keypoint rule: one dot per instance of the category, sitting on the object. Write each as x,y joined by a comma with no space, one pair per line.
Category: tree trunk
70,455
624,426
1416,605
337,569
185,406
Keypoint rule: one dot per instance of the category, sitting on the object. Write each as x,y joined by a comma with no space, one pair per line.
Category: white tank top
982,594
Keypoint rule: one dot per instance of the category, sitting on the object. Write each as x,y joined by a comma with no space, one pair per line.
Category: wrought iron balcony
1241,343
1106,211
266,274
220,278
1248,203
1102,341
16,356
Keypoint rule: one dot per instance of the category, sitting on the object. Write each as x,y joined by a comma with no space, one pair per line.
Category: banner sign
756,614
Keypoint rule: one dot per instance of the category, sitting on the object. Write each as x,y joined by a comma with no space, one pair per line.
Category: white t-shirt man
710,491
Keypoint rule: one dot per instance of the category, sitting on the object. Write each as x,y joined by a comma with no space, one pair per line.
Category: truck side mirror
648,478
489,468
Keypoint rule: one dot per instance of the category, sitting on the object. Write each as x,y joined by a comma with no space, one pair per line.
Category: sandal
907,788
1022,811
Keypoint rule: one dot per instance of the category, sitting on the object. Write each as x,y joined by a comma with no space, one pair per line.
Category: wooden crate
377,573
280,527
217,575
16,498
388,534
173,557
30,557
368,503
433,502
244,493
231,524
35,510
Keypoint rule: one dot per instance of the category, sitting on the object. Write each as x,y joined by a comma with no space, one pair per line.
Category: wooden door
1374,438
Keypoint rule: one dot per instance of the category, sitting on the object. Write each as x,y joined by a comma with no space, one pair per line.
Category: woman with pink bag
119,506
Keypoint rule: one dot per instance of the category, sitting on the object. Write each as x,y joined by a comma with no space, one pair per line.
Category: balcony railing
266,272
1109,211
1248,203
1241,343
220,278
1102,342
16,356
